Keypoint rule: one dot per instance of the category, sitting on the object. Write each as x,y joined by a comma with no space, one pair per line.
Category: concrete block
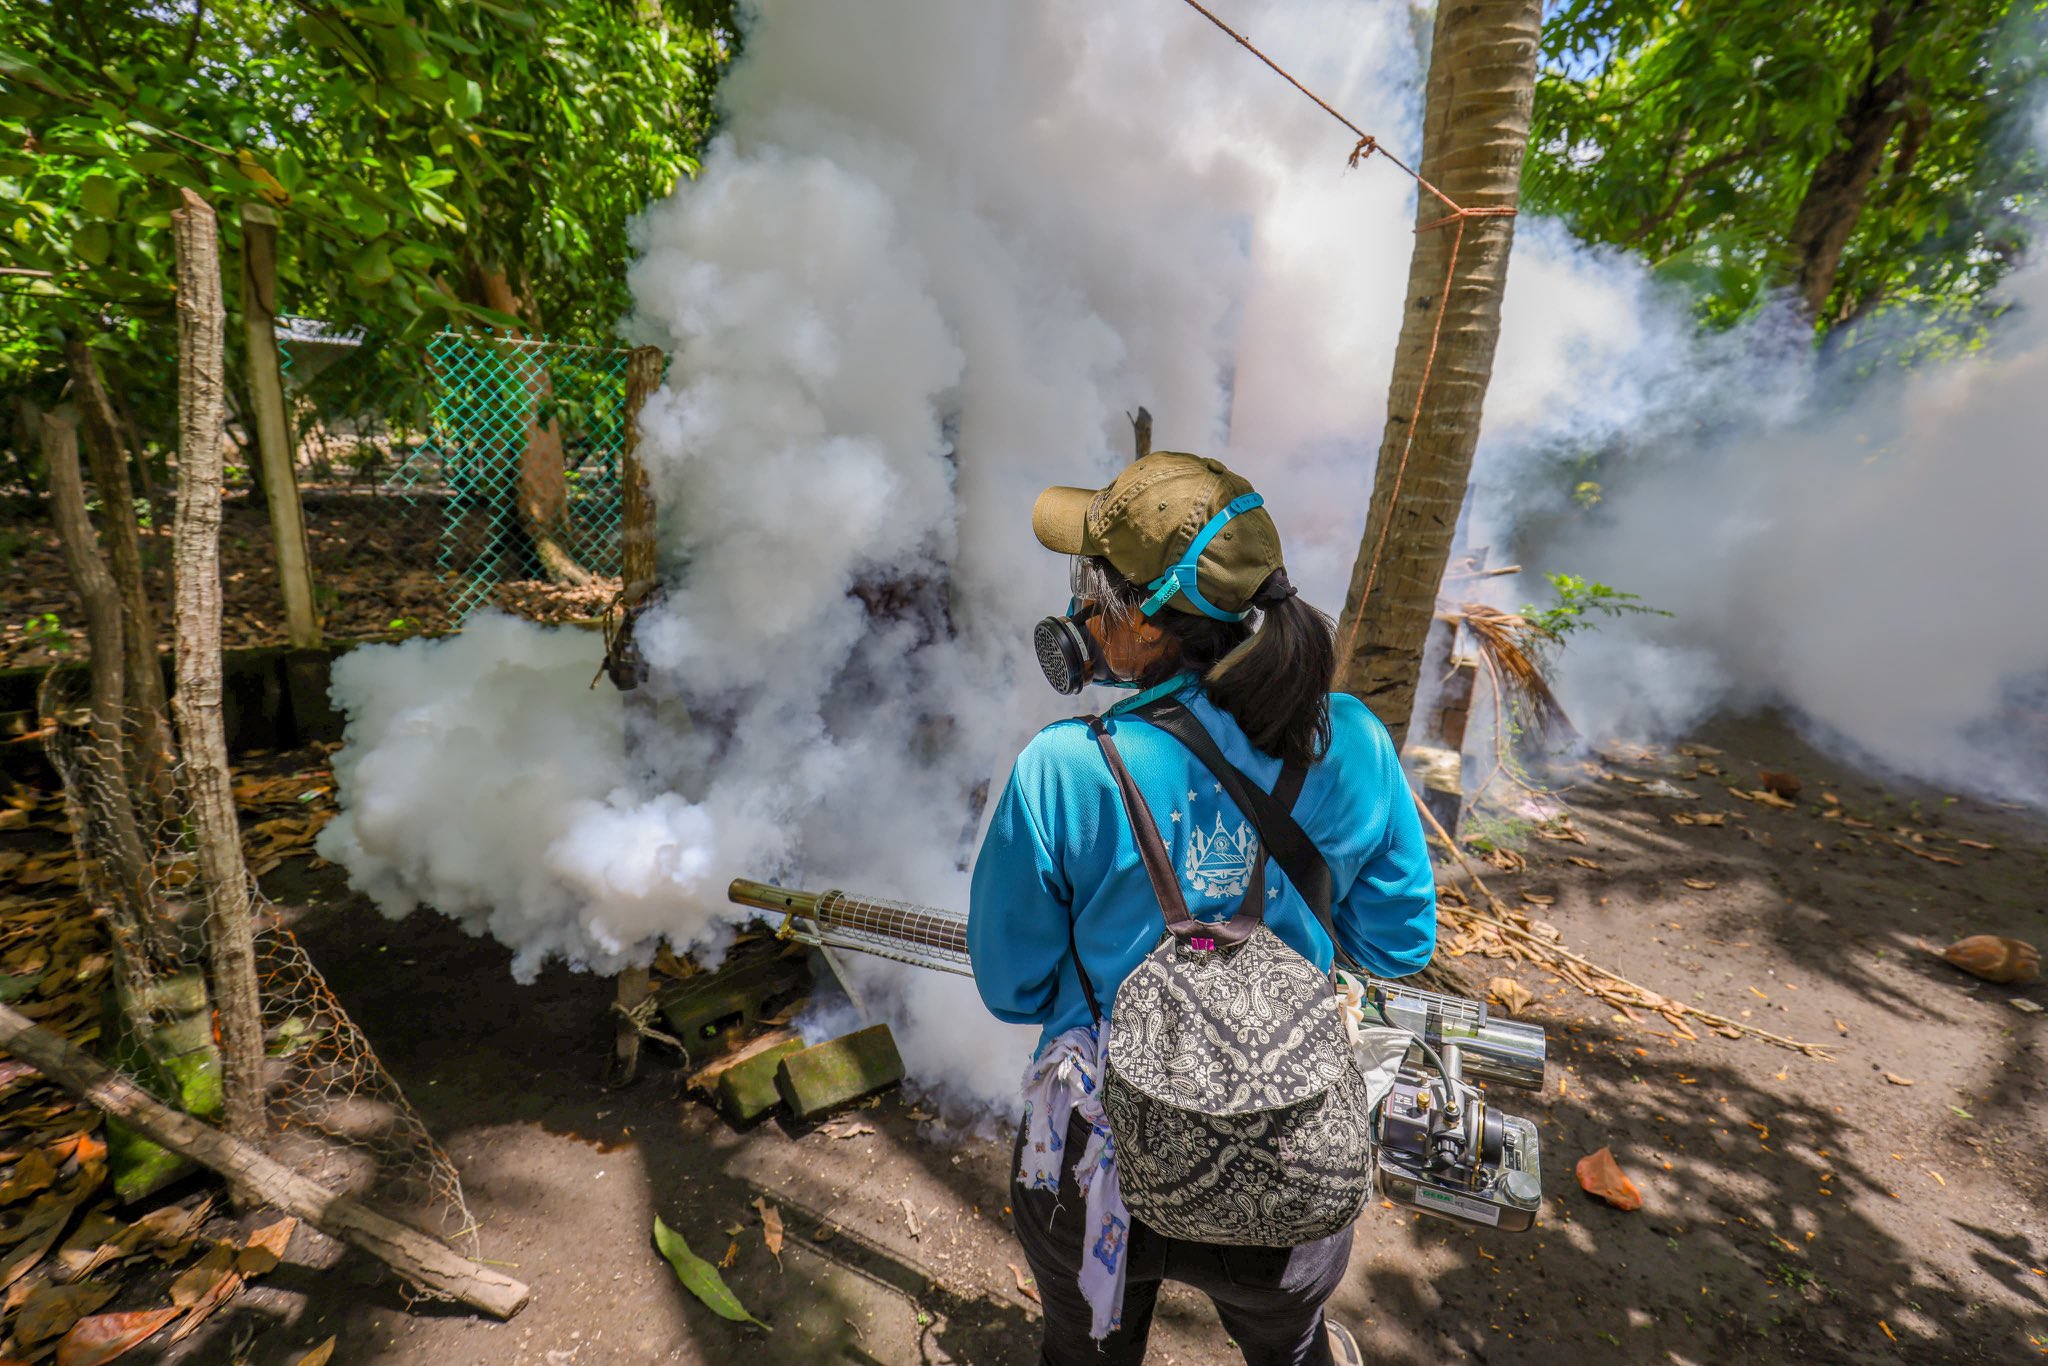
746,1090
704,1007
838,1071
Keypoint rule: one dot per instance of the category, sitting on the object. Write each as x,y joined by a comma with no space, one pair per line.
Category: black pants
1269,1298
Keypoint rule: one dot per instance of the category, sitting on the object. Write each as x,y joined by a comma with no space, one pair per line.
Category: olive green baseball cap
1151,513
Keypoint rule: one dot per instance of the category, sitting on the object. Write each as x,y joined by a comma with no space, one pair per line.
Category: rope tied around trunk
1458,215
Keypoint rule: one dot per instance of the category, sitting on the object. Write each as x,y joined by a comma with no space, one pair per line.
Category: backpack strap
1271,814
1159,869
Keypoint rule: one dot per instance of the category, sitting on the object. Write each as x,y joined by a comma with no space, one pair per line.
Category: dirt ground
1795,1209
376,573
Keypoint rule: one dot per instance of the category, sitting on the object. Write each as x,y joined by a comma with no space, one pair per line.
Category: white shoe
1343,1347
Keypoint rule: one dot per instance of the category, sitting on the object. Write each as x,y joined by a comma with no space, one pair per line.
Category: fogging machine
1440,1147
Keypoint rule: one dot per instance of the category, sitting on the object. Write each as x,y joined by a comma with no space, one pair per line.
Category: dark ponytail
1271,672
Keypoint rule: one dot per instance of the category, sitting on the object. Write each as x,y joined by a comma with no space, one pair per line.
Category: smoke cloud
937,254
1872,567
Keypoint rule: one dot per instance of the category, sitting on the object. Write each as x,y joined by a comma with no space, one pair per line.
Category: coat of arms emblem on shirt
1220,863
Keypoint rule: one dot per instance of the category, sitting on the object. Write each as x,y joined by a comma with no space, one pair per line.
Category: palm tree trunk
1482,79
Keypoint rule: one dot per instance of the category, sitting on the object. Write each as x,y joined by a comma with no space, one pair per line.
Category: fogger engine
1441,1147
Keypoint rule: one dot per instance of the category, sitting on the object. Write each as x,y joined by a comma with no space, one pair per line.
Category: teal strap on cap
1181,577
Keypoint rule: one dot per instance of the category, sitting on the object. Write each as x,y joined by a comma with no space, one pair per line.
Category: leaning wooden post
150,760
195,557
113,802
273,434
432,1265
639,572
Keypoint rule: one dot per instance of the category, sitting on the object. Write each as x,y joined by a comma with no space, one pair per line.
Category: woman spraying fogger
1159,890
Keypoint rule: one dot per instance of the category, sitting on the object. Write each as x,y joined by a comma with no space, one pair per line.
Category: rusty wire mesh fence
336,1115
445,445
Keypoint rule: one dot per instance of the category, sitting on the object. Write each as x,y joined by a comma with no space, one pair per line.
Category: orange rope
1366,146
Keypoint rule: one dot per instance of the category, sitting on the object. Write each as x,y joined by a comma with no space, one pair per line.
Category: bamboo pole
273,432
426,1262
195,555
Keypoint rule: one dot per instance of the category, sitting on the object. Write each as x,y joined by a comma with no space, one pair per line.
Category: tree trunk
1840,184
273,432
426,1262
195,556
1482,74
150,761
542,499
110,799
639,571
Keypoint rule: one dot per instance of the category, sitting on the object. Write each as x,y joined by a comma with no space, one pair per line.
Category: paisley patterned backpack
1239,1111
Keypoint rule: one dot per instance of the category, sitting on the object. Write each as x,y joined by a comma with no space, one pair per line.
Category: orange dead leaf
1512,995
1601,1176
265,1248
1024,1282
102,1338
771,1227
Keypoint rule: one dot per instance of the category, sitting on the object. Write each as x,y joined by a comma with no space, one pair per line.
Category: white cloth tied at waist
1064,1080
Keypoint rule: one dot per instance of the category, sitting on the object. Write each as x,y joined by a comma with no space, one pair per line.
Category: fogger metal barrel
923,936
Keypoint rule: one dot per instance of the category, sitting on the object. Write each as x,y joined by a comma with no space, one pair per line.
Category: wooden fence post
273,433
195,556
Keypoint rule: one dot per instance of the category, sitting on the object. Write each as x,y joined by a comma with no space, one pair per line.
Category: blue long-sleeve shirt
1059,850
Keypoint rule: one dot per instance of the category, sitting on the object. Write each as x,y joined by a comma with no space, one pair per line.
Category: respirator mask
1070,656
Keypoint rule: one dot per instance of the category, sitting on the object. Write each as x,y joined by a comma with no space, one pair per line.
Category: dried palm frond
1509,644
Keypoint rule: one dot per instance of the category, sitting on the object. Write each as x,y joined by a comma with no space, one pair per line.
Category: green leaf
700,1277
468,100
92,242
372,265
100,196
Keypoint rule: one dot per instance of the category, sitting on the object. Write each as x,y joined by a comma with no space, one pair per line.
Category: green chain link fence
443,437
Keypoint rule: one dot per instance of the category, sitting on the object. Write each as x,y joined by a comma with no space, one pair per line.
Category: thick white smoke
1875,569
937,254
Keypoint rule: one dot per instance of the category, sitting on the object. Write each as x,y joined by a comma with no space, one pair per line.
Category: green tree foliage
409,145
1859,154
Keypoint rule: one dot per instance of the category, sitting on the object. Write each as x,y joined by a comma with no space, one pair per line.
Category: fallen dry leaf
33,1174
1507,860
731,1257
1977,844
51,1310
1670,791
1993,958
200,1279
771,1227
265,1248
1601,1176
319,1355
1512,995
1024,1282
910,1219
1538,899
1897,1080
36,1234
1584,863
1699,818
1697,751
1699,884
94,1341
1781,784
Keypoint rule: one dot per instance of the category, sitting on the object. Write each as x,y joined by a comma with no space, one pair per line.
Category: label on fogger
1458,1206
